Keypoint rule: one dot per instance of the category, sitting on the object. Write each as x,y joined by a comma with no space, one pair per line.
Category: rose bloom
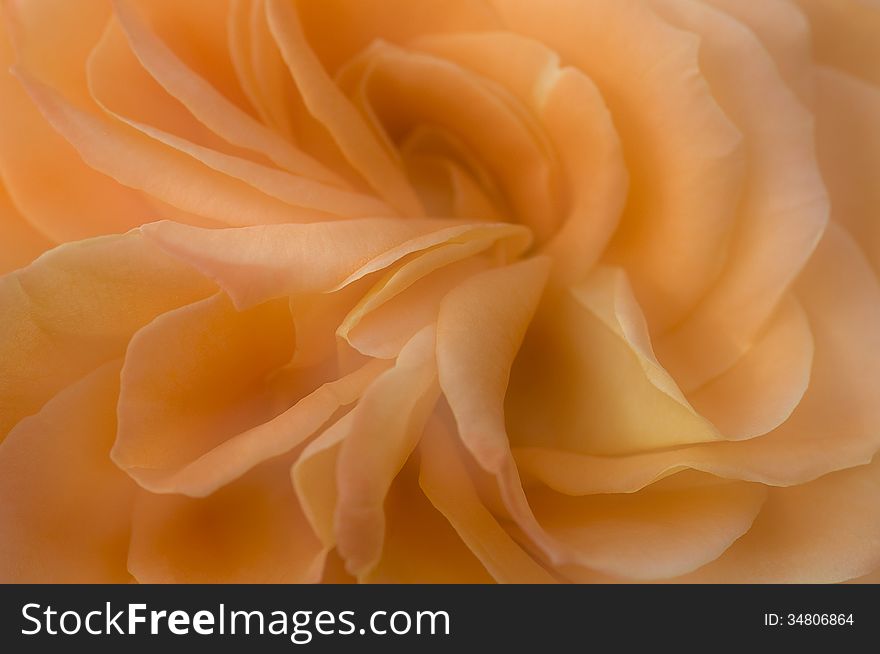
440,290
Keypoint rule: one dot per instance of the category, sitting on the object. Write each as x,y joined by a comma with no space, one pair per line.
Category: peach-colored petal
209,105
833,427
577,123
65,508
339,29
254,264
418,285
175,176
241,44
784,209
387,317
250,531
587,380
447,485
848,135
142,99
785,32
420,546
44,175
196,376
403,89
327,103
21,243
314,478
664,530
766,385
479,331
844,35
234,457
683,154
386,426
75,308
480,328
196,33
825,531
445,187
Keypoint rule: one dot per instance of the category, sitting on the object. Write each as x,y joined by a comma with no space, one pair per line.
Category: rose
579,290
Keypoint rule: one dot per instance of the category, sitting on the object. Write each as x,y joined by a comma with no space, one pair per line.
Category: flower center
470,149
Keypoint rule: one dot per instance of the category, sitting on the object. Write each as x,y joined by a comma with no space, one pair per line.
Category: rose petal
42,173
825,531
234,457
420,546
683,154
386,426
833,427
844,35
174,176
254,264
22,243
785,206
208,105
408,297
196,33
848,135
785,32
573,114
661,531
480,327
766,385
447,485
403,89
250,531
196,376
587,380
65,508
75,308
327,103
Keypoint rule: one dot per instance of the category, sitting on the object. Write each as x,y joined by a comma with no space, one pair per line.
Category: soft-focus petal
65,509
667,529
250,531
825,531
75,308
